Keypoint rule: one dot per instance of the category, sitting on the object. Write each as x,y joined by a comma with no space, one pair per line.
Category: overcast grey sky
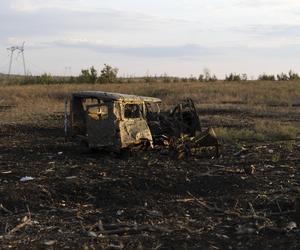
153,37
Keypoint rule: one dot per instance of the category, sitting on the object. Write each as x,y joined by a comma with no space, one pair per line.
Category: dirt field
246,199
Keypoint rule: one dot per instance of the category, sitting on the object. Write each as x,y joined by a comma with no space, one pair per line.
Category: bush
148,79
192,79
265,77
176,79
207,76
185,79
42,79
213,78
45,79
201,78
293,76
88,75
108,74
233,77
166,79
282,77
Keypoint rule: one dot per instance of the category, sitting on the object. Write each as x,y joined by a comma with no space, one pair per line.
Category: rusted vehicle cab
110,120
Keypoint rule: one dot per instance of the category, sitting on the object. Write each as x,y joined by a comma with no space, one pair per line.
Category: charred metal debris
117,121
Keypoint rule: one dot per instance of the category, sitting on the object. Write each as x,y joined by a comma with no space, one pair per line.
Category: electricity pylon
12,50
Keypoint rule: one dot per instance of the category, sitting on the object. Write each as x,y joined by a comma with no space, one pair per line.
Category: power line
37,68
21,51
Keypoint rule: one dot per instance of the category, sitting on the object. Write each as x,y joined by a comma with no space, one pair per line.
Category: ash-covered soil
246,199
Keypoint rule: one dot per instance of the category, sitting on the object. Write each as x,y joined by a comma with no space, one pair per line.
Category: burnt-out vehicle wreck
117,121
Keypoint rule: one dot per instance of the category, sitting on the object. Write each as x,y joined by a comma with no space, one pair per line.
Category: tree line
109,74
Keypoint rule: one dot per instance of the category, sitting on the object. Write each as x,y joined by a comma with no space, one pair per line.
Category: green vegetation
236,77
207,76
88,75
262,131
265,77
291,76
109,74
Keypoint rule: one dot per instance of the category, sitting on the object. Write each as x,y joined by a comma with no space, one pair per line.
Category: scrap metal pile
180,129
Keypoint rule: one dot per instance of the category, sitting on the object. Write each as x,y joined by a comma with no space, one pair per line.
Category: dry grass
272,131
34,103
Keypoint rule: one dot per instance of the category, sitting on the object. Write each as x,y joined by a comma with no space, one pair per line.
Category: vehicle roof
110,96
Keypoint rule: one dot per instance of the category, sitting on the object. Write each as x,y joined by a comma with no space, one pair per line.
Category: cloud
35,5
57,21
113,26
271,31
269,3
188,50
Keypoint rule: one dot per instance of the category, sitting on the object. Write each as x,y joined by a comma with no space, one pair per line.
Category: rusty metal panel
100,125
134,131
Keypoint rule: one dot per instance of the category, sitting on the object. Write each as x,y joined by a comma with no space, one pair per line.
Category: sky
142,37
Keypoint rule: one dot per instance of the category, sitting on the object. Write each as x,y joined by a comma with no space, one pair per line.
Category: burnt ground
149,200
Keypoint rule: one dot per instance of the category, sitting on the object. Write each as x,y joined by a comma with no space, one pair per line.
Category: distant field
247,110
